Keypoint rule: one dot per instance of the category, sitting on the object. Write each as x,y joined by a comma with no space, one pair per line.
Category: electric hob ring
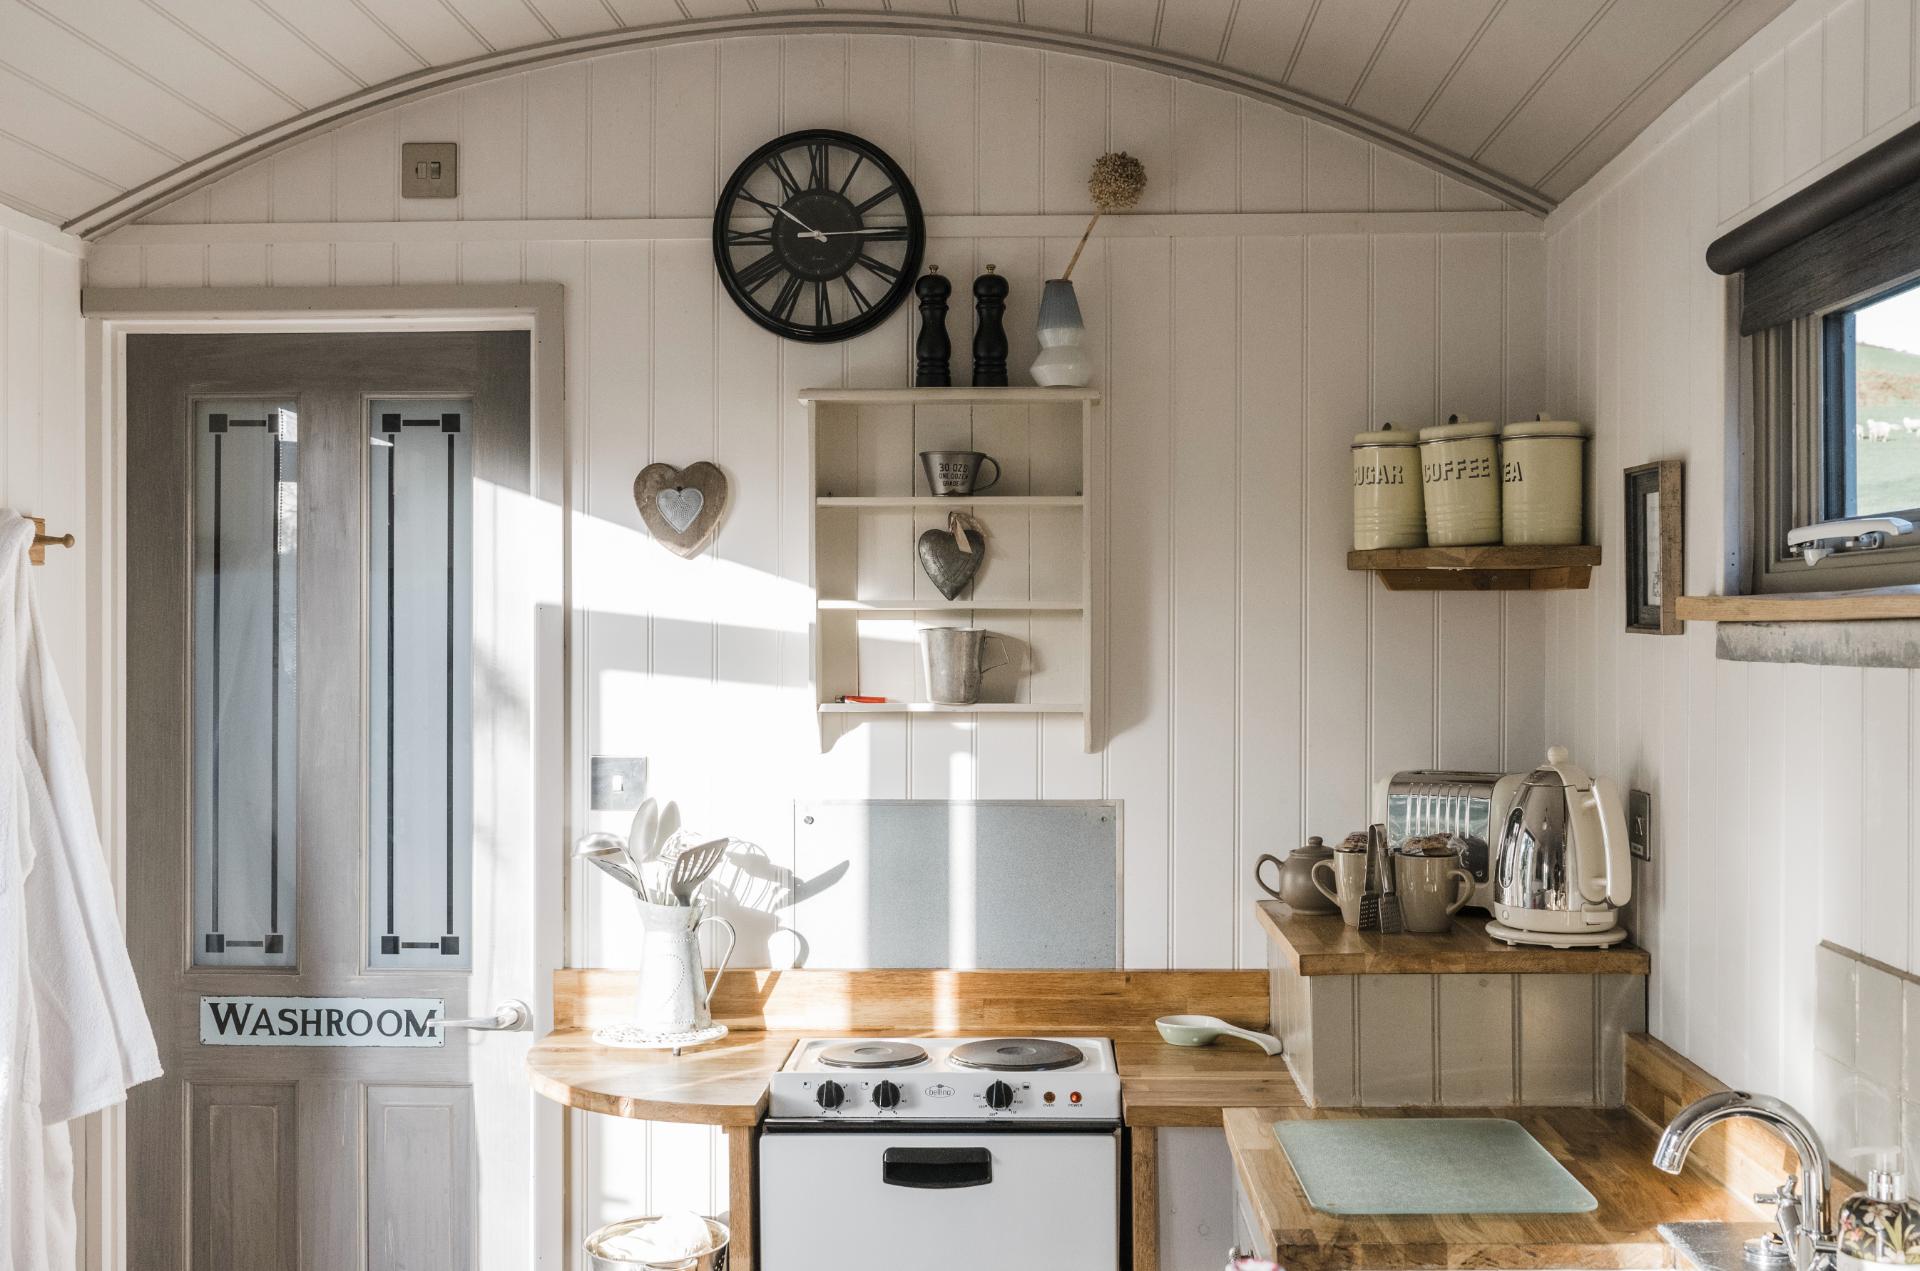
1017,1054
873,1054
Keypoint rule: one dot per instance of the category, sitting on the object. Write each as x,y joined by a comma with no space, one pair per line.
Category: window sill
1806,606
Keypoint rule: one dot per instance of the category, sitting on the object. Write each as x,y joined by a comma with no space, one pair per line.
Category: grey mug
954,472
1431,890
1348,870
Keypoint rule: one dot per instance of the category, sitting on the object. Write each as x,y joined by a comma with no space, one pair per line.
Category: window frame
1790,438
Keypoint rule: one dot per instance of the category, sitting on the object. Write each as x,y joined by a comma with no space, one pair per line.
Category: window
246,622
419,683
1837,415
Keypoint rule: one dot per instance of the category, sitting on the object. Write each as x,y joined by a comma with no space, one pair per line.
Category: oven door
936,1201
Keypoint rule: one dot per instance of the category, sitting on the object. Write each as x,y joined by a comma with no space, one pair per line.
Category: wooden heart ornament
682,507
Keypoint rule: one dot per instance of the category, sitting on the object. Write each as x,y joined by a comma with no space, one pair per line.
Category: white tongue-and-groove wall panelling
1783,795
1253,686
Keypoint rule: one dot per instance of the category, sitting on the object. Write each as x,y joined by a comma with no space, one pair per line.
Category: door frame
110,315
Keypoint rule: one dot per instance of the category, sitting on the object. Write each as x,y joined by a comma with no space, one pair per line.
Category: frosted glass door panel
420,678
245,622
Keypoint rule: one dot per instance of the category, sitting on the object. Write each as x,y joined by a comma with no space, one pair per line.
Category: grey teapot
1295,887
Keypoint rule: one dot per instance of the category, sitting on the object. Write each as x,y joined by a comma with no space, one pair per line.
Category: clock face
818,236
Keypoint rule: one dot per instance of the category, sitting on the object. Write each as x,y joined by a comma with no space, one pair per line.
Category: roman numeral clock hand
775,208
793,218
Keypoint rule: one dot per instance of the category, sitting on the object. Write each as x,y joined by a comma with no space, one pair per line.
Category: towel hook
43,540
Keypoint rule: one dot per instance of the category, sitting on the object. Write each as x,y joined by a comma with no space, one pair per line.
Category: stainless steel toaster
1470,804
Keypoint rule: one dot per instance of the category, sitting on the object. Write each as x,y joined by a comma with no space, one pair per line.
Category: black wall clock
818,236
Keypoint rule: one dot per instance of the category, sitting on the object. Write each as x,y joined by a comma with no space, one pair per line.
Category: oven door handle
936,1167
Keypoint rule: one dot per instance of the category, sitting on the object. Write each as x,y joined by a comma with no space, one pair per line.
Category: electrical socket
1640,824
429,170
619,784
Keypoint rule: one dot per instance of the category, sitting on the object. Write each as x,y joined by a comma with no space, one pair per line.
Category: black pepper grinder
989,332
934,350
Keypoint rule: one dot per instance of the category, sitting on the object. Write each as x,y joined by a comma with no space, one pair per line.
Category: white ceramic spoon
1201,1030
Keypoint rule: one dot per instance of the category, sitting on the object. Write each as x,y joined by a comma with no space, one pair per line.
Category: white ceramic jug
674,992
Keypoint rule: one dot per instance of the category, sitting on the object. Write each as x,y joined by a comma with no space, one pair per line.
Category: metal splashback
937,883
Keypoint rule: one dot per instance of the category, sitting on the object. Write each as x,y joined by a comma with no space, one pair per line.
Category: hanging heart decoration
952,556
682,507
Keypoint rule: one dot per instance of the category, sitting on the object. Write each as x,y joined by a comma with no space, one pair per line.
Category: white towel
73,1033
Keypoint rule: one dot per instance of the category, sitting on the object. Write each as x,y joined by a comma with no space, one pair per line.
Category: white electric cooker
942,1153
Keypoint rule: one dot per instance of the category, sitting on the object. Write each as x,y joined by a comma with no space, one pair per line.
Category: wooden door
331,682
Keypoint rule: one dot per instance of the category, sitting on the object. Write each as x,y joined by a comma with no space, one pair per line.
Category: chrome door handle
511,1016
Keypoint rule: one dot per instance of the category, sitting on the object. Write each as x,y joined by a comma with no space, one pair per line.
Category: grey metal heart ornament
950,568
681,507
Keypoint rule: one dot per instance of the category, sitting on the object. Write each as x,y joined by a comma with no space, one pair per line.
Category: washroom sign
321,1021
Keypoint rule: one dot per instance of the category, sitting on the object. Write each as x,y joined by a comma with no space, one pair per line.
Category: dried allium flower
1116,181
1114,185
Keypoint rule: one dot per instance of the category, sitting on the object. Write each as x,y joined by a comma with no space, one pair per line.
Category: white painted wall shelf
941,602
1035,587
951,501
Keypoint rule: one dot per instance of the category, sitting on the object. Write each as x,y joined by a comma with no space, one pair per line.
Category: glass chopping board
1428,1165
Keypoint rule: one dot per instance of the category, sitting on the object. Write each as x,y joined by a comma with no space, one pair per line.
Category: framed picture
1655,547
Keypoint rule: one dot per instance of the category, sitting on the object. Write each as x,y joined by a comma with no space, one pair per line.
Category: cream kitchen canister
1542,482
1387,508
1460,480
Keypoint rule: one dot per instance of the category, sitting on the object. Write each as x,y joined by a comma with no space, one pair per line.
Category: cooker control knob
886,1096
829,1095
999,1096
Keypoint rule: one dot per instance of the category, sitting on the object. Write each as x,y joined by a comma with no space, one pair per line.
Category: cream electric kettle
1561,870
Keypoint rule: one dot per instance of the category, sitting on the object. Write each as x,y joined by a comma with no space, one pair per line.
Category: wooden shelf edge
1021,394
1810,606
1320,944
930,708
911,606
1491,568
956,501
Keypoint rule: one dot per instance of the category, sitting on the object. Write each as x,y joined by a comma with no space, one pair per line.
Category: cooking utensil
643,839
1202,1030
1370,895
1561,873
1392,921
654,876
692,866
607,852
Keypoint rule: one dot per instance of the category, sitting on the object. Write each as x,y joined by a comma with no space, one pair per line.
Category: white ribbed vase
1063,360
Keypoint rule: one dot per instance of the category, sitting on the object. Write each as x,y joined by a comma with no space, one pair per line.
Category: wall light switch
1640,824
429,170
618,784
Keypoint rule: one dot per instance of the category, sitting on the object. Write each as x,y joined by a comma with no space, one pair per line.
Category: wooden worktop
1608,1150
1322,944
720,1083
725,1082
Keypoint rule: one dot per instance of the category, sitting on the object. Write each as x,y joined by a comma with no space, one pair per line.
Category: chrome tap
1801,1215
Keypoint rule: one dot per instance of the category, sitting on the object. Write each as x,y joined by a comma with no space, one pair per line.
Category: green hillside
1887,387
1888,383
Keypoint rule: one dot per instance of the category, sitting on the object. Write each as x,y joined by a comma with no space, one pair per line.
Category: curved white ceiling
110,107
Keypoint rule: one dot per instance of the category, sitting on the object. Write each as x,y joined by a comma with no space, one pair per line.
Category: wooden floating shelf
1806,606
1011,396
909,606
935,708
944,500
1493,568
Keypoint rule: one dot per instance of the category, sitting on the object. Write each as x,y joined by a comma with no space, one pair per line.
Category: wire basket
714,1259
